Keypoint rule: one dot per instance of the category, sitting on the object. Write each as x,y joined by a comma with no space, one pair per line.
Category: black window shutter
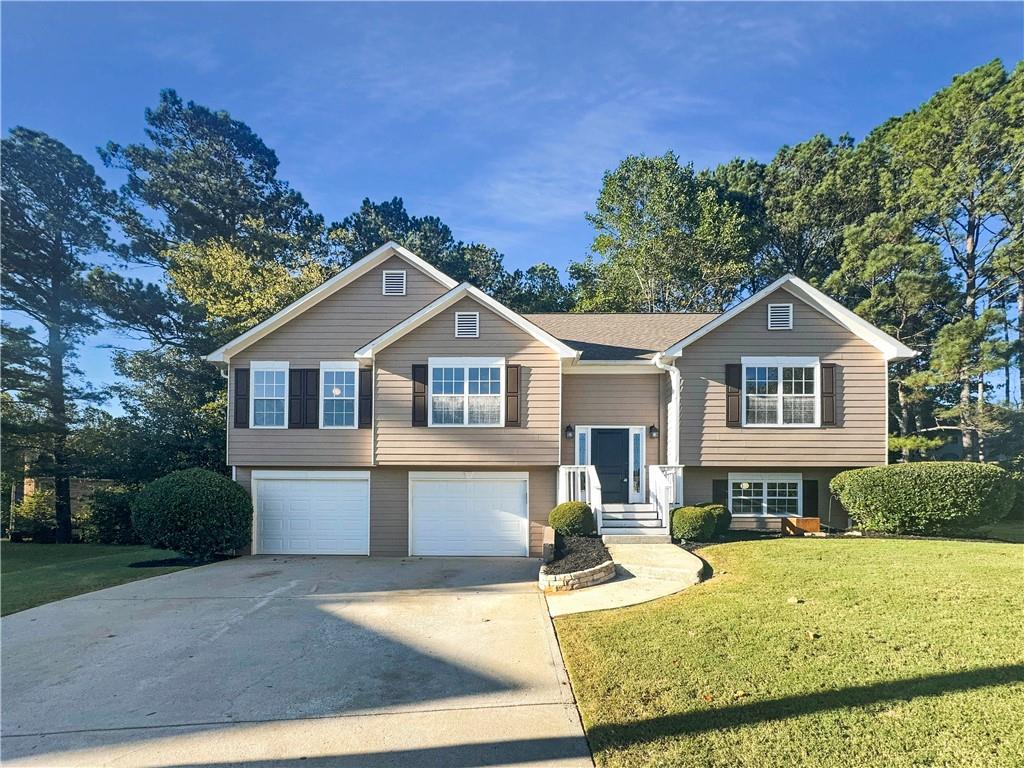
295,382
810,498
419,395
311,398
241,420
365,397
720,492
828,394
733,382
512,396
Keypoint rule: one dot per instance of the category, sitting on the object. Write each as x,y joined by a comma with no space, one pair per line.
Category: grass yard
813,652
33,574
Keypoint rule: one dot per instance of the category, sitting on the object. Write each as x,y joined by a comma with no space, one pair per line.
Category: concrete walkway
318,662
645,572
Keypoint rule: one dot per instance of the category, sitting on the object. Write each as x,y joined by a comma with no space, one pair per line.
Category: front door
609,453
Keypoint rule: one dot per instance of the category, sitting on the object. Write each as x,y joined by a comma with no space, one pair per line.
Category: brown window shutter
512,396
810,498
828,394
365,397
311,398
720,492
733,382
295,399
241,420
419,395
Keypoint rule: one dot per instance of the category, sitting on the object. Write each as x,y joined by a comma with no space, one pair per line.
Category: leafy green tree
55,216
666,242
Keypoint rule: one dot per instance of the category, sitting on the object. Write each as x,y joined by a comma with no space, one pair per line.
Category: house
393,411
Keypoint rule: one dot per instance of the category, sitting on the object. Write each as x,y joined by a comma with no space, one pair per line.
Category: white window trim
339,365
467,314
774,477
634,496
384,282
783,327
465,363
266,365
781,362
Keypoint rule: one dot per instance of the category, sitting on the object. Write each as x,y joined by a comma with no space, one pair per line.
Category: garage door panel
468,516
312,516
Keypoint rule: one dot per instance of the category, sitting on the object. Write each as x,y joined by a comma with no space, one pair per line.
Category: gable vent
394,282
780,317
467,325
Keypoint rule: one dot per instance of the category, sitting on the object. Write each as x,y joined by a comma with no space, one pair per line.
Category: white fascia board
622,367
891,349
322,291
439,304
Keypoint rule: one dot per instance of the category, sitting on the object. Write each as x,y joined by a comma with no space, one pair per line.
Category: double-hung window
781,392
467,392
339,395
269,395
772,495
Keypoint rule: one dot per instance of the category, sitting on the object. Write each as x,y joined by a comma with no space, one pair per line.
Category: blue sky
500,119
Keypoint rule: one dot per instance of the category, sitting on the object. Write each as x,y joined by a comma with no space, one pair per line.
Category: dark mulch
577,553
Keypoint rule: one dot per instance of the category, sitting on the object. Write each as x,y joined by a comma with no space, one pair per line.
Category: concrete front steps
621,520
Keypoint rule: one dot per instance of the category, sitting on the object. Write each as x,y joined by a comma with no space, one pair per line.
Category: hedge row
701,522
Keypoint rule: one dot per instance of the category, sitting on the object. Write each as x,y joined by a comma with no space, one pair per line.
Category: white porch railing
665,488
578,482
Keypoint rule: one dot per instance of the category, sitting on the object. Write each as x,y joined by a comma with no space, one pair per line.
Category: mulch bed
577,553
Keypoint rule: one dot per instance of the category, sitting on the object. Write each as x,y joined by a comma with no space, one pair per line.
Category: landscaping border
563,582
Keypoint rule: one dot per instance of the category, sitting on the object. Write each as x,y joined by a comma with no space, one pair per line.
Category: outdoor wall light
653,431
570,432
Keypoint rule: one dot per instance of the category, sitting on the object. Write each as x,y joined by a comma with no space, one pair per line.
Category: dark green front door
609,453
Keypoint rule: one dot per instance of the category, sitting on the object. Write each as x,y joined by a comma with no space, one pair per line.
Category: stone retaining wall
563,582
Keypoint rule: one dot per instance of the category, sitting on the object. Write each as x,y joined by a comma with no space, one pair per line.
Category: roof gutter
672,431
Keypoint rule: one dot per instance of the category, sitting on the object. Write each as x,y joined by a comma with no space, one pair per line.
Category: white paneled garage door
311,513
468,513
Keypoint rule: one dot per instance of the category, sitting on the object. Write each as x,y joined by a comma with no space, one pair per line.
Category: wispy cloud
191,49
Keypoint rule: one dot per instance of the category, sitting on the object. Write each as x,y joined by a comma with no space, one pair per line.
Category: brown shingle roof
619,335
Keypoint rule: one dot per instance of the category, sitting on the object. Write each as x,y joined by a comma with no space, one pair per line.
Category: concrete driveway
311,661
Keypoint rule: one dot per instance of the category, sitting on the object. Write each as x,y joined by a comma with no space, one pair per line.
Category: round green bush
573,518
693,523
723,517
108,518
193,511
928,498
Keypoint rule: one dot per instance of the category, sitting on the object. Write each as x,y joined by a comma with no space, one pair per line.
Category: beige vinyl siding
859,437
330,331
629,400
389,508
697,485
536,442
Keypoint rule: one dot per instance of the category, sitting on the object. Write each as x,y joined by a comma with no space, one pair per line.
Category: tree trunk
906,427
968,437
1020,342
980,439
59,415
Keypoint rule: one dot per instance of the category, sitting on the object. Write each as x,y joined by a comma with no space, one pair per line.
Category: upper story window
466,392
467,325
339,395
269,395
780,317
781,391
393,282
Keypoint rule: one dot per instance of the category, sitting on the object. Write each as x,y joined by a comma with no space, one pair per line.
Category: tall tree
665,240
55,215
954,166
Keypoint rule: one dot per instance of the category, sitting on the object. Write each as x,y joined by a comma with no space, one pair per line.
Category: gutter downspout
672,430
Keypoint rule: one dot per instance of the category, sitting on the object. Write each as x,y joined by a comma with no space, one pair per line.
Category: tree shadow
770,710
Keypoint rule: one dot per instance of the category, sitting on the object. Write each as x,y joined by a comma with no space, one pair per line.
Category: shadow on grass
170,562
755,712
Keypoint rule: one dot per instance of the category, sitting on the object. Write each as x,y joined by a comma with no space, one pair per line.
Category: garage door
468,513
308,513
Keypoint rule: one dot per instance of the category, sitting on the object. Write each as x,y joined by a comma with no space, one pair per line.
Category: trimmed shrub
1017,510
573,518
35,517
109,517
693,523
928,498
723,517
195,512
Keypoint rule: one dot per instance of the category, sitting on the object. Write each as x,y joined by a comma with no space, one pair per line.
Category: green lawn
33,574
813,652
